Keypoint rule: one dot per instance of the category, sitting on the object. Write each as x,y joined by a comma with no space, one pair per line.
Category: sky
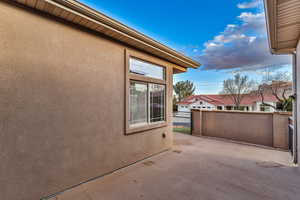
226,37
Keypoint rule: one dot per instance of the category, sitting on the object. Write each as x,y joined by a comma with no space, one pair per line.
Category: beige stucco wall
269,129
62,107
281,130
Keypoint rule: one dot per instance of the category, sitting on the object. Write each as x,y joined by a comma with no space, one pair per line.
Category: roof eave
283,51
271,21
101,23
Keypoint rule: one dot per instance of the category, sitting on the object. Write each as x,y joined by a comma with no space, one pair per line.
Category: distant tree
278,85
283,76
183,89
236,88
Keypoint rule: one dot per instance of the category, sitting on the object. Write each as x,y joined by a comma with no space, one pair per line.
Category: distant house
250,102
225,102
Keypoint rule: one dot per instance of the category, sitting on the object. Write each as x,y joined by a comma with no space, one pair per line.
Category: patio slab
199,169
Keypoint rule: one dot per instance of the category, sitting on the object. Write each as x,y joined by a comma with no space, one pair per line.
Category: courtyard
199,168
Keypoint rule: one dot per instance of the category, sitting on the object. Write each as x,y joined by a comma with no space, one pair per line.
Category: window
146,95
228,107
157,102
147,103
264,108
138,103
143,68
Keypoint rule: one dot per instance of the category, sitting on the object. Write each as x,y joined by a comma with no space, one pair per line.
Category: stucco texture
62,107
262,128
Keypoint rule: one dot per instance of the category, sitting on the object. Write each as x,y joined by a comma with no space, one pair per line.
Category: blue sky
226,37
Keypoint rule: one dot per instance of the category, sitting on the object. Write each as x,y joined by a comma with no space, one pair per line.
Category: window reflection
146,69
157,102
138,103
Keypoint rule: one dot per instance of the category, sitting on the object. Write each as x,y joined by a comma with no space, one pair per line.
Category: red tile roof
219,99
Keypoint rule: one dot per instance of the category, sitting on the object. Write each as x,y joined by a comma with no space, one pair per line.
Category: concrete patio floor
199,169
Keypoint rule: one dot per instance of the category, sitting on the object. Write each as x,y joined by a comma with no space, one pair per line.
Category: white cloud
228,38
247,52
231,25
248,17
251,4
211,44
242,46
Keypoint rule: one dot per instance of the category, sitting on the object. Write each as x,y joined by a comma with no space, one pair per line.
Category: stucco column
196,122
280,130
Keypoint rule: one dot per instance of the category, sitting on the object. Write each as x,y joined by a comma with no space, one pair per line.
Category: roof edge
124,33
75,4
270,16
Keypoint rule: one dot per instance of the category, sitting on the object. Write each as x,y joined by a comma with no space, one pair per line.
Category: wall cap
244,112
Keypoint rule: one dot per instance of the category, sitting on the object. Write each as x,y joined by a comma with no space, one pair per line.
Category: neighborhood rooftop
220,99
78,13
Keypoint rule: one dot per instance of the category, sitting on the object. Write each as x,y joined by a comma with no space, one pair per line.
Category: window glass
138,103
146,69
157,102
264,108
146,98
